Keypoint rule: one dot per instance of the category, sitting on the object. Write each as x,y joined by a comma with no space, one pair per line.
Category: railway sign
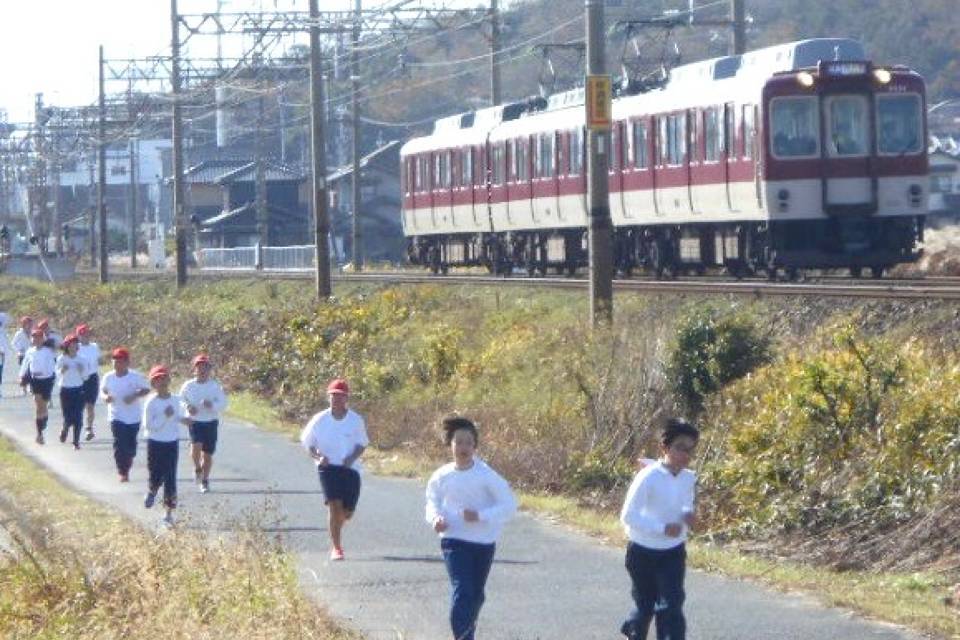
599,101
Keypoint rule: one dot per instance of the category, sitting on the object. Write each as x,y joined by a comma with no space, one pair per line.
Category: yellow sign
599,103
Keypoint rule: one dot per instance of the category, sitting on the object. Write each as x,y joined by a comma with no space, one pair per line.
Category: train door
728,152
708,173
519,189
693,137
499,214
442,191
848,143
638,196
615,172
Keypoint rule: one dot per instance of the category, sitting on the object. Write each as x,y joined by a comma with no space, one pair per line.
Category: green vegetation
76,570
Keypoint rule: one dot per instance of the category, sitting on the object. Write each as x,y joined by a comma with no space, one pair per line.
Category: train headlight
883,76
805,79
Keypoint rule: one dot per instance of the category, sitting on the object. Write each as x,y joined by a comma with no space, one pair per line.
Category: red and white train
803,155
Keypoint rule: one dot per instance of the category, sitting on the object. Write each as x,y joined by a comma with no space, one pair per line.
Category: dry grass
77,571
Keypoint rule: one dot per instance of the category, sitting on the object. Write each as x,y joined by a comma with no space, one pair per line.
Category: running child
4,344
37,371
335,439
71,371
122,390
467,505
90,351
204,400
162,417
22,341
658,514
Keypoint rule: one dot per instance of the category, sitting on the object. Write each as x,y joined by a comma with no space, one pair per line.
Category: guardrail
235,258
293,258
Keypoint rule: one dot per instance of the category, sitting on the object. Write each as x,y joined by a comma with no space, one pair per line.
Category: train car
804,155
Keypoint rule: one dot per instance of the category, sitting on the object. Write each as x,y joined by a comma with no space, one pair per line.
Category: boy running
37,370
122,390
204,400
162,417
71,371
335,439
21,340
657,515
467,504
90,351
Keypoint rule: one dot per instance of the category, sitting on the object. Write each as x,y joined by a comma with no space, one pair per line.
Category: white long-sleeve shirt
21,342
655,499
40,361
91,353
157,425
119,387
335,439
450,491
193,393
71,371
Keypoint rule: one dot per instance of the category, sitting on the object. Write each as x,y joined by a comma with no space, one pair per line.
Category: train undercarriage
776,249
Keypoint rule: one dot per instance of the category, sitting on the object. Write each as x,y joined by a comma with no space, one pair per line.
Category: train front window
899,124
794,127
848,132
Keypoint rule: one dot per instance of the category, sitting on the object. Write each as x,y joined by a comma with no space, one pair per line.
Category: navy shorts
340,483
205,434
91,389
42,387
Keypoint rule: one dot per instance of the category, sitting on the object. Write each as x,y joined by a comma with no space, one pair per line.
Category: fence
270,258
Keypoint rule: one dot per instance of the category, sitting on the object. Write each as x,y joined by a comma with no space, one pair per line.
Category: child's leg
669,572
461,562
171,454
155,466
644,591
483,561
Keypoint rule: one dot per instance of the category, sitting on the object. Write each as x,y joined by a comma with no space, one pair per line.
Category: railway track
936,288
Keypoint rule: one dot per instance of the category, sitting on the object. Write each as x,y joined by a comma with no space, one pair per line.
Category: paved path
547,582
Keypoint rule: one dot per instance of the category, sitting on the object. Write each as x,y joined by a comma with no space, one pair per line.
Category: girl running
90,351
71,371
37,372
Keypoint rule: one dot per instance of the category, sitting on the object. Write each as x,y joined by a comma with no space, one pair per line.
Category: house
945,186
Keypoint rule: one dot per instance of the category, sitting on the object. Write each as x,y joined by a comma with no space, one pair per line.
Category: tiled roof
248,173
208,171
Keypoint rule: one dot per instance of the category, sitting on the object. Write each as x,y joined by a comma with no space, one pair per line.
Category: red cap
82,329
43,324
120,353
70,339
339,385
201,359
159,371
37,332
26,319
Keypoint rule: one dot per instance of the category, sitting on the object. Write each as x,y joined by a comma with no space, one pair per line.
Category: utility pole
92,211
260,175
738,16
598,120
102,177
494,53
355,121
57,201
179,215
318,150
132,240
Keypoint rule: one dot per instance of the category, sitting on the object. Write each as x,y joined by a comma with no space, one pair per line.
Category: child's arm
633,515
689,508
504,504
434,512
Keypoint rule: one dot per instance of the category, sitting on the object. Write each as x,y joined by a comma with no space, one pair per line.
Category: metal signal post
319,151
598,117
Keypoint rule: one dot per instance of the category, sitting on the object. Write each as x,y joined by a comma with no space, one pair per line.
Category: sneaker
76,446
124,477
336,554
149,499
39,438
63,434
167,519
204,486
89,434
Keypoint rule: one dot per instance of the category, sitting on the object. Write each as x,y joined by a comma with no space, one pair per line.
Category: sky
51,46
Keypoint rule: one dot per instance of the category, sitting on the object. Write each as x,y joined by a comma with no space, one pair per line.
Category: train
799,156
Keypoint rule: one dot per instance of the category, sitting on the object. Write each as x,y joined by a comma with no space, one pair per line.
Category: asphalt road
547,581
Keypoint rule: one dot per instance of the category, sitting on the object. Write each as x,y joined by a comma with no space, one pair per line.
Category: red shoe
336,554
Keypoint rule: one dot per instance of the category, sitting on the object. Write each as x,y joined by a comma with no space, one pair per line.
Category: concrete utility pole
318,150
132,239
260,176
179,213
57,200
598,112
355,122
738,16
494,53
92,211
102,177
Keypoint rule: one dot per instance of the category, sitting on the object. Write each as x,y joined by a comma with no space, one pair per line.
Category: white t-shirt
91,353
40,361
336,439
21,342
158,426
71,371
193,393
450,491
120,387
655,499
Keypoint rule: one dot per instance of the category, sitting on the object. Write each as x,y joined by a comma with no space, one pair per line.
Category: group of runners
467,502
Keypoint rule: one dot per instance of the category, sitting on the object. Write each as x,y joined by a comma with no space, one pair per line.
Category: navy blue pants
71,404
124,444
468,565
162,466
657,577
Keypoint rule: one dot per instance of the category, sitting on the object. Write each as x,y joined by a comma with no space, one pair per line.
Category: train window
576,152
624,132
614,163
676,139
749,131
899,124
514,169
521,161
497,164
466,167
663,138
712,135
423,173
729,129
848,130
696,133
544,160
795,127
640,145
